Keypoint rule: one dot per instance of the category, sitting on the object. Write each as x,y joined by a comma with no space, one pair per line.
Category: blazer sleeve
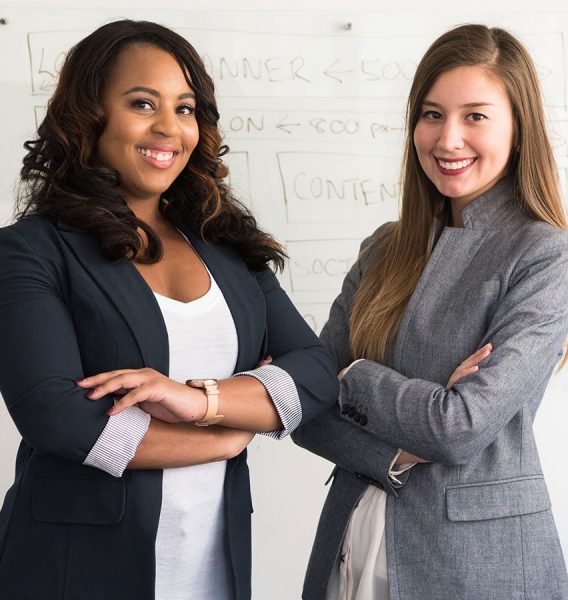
527,333
39,356
349,446
301,378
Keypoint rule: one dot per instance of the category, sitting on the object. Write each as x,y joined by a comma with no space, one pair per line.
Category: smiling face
151,129
465,133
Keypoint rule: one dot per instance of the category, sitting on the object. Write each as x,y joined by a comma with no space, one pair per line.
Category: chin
454,190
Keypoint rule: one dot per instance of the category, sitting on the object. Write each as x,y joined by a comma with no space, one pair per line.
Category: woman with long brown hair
445,335
132,288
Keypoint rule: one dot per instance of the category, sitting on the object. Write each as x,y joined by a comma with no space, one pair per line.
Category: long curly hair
62,180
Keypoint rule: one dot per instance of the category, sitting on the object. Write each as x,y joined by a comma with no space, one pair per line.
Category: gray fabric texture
476,522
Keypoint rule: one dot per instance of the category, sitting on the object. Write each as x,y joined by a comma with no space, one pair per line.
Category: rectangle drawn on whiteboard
563,176
239,175
339,188
320,265
558,132
47,51
547,51
274,64
39,113
245,63
314,313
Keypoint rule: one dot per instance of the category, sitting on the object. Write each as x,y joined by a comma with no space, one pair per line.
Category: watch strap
211,389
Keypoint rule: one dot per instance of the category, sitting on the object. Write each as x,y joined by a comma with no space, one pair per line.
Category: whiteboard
312,105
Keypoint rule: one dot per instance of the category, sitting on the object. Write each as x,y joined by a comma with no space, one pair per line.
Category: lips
159,157
454,166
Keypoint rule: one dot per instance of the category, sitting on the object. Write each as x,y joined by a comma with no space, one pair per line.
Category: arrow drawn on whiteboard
327,71
282,125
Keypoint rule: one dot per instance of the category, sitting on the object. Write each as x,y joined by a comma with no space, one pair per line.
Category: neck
147,210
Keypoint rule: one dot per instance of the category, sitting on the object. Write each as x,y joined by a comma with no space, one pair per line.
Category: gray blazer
476,523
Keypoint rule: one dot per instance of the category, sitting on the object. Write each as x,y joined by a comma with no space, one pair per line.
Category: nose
451,135
165,122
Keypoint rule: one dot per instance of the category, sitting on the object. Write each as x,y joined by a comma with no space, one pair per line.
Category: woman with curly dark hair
133,288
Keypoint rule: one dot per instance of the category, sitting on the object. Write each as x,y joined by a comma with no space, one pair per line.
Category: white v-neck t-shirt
191,559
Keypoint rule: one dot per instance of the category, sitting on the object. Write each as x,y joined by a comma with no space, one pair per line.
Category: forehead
148,66
468,84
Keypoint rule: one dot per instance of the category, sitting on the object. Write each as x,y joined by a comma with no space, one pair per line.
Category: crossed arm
54,416
360,451
172,440
467,367
451,423
272,398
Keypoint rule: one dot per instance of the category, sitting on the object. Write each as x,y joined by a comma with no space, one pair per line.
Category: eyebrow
155,93
468,105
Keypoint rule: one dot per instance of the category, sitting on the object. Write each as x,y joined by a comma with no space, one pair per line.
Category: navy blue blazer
69,531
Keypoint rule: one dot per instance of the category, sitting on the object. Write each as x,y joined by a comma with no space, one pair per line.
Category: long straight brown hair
386,289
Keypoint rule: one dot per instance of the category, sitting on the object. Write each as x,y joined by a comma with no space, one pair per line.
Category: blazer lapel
128,292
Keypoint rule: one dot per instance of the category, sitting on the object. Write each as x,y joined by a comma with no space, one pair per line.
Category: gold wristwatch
211,389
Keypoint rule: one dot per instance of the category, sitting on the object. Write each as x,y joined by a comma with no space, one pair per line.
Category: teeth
454,166
155,155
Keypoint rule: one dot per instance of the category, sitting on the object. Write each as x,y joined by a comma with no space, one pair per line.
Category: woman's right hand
469,365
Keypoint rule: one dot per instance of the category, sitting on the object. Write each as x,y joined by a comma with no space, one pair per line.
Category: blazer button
363,420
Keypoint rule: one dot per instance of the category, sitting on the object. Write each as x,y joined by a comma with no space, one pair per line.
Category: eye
186,109
142,104
432,115
476,117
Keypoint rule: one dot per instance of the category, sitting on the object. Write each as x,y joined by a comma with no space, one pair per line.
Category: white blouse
191,561
362,570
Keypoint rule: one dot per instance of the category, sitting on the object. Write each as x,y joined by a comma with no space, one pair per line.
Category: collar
497,208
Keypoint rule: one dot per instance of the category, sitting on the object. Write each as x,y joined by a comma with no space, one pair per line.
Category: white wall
289,138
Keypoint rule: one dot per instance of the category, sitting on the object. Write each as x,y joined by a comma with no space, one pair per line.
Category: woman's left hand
469,365
155,393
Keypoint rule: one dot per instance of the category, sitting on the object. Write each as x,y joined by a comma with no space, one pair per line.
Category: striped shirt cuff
283,393
119,440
